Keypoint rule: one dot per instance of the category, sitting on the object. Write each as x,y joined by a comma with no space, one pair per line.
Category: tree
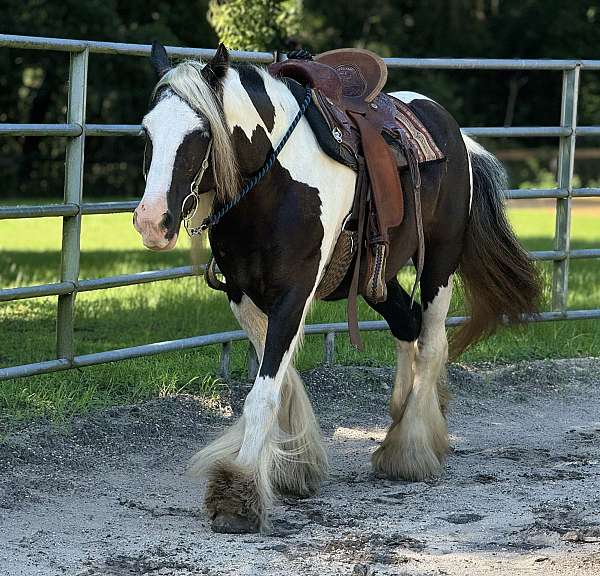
33,87
255,24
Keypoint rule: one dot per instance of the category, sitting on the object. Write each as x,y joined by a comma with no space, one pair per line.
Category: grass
135,315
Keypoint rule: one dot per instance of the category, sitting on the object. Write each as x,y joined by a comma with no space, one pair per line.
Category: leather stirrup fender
383,174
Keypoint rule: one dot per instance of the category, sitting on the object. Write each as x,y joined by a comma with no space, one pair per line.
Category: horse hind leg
422,434
417,441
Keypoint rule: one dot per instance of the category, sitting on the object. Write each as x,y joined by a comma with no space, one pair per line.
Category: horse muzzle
154,228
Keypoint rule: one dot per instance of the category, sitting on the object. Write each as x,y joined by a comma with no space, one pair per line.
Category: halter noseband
188,214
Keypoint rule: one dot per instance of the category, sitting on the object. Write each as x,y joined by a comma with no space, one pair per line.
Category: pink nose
150,223
141,218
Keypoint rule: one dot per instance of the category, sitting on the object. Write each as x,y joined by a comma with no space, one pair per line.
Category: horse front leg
241,481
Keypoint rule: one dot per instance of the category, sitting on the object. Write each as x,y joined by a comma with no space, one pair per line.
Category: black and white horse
272,249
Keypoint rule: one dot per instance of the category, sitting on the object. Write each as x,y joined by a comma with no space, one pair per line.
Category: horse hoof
234,524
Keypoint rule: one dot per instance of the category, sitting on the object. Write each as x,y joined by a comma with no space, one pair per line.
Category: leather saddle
362,127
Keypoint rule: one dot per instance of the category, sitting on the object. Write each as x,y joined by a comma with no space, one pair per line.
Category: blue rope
252,182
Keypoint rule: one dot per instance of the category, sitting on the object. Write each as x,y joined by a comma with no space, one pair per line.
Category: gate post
566,161
69,268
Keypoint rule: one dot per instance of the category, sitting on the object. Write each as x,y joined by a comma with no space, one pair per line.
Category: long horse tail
499,278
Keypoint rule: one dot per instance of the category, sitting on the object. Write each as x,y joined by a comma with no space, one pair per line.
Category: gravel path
520,495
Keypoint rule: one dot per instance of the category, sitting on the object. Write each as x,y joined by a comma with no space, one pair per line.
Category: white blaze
167,124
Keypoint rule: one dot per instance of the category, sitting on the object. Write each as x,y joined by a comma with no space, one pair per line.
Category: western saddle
376,135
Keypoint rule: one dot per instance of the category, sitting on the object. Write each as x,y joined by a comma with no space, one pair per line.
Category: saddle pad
418,135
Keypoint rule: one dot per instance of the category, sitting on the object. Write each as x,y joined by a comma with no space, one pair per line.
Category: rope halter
249,185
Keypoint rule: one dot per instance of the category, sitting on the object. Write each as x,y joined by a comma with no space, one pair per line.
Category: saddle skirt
343,139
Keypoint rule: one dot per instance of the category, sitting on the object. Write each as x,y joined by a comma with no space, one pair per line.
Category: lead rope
251,183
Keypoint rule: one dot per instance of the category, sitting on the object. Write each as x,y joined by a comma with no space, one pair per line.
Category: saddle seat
376,135
350,77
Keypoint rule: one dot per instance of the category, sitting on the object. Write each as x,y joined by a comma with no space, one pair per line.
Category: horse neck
255,111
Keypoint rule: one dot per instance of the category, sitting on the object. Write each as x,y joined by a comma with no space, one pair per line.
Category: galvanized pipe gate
73,207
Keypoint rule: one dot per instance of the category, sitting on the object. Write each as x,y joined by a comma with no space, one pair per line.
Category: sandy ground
520,495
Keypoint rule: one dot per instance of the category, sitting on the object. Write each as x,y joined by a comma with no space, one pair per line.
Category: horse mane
187,82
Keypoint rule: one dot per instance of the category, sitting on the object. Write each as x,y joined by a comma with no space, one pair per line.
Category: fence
73,208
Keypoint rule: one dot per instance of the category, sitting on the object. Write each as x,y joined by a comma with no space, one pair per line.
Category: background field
186,307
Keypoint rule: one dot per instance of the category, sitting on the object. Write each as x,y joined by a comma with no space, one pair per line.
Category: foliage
33,83
255,24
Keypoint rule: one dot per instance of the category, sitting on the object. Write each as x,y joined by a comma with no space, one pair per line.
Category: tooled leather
354,84
363,74
310,73
339,264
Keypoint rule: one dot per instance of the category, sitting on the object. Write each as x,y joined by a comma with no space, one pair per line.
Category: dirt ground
520,494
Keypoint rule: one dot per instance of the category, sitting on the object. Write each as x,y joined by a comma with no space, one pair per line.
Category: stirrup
375,288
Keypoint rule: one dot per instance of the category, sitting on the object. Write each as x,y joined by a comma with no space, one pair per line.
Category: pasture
186,307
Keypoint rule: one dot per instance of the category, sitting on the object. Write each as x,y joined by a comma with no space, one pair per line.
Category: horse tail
498,277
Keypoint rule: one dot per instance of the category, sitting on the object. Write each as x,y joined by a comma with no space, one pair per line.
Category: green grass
130,316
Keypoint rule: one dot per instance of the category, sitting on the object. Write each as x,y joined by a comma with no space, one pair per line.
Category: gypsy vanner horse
272,248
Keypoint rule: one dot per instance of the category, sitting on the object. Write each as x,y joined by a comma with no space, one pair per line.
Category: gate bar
95,47
115,207
87,285
483,63
58,288
104,130
222,337
40,129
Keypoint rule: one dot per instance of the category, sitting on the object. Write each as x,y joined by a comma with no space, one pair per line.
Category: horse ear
217,67
159,59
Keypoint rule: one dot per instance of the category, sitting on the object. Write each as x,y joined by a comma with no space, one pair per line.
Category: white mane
187,82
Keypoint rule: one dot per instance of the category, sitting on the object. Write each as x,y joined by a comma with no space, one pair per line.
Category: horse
212,126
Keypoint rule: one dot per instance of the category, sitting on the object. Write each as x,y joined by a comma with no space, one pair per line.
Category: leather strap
360,202
210,276
415,176
383,174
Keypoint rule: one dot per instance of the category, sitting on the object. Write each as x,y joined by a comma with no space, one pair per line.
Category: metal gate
73,208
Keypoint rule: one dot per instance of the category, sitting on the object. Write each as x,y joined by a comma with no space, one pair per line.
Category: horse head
187,143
